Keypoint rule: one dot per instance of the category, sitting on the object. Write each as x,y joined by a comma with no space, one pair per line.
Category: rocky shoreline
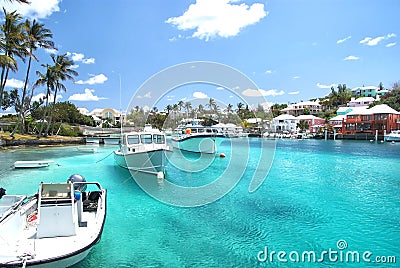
41,142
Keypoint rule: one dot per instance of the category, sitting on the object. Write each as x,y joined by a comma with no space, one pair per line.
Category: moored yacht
394,135
142,151
194,137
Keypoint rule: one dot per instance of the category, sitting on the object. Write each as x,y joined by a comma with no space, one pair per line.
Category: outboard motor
2,192
76,178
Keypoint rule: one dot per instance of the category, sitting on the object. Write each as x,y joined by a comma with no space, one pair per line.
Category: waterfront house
284,122
366,121
315,123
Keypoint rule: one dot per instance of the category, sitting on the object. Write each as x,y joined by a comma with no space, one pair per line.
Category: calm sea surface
333,196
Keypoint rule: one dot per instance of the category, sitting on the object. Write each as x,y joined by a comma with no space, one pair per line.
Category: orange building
366,121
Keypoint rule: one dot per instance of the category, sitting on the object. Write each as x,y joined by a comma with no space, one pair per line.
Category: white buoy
160,177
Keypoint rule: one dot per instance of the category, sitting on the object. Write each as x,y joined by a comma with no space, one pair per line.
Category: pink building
314,122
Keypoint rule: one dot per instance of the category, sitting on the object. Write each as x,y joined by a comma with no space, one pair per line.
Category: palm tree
303,125
61,72
188,107
37,36
211,104
229,108
11,44
48,80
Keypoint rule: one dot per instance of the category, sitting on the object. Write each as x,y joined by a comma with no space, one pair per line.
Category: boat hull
32,164
198,144
53,251
149,161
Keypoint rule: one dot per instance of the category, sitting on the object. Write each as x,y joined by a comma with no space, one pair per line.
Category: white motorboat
32,164
142,151
194,137
57,227
394,135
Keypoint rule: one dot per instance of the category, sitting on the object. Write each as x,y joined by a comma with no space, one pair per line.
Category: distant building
284,122
369,91
102,115
315,123
299,108
363,101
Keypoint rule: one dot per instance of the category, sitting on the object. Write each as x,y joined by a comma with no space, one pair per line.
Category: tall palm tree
188,107
11,45
61,71
37,36
48,80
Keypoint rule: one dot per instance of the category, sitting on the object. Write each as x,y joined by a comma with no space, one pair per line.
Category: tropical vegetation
19,40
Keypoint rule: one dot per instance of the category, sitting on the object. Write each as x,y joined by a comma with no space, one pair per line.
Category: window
146,138
159,139
133,139
108,115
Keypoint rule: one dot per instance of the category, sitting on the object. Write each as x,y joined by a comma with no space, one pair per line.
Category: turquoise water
317,192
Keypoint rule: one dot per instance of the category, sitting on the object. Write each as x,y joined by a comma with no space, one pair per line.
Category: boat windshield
146,138
159,139
133,139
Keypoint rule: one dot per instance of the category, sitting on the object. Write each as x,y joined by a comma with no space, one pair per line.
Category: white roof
339,117
285,117
307,117
363,99
359,110
378,109
383,109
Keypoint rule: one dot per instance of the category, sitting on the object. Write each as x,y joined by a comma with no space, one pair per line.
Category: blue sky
293,50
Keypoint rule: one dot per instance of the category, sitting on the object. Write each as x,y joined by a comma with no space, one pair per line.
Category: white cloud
42,96
269,72
261,92
294,92
343,40
87,96
220,88
390,44
200,95
88,61
391,35
221,18
79,57
296,77
147,96
372,41
325,86
97,79
351,58
51,50
14,83
37,9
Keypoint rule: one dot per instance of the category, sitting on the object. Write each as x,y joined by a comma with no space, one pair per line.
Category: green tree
303,125
37,36
11,45
61,71
392,98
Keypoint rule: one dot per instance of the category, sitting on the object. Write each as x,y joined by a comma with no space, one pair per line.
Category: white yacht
394,135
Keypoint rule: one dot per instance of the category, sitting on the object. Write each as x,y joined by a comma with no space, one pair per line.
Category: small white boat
57,227
142,151
32,164
87,149
393,136
196,138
